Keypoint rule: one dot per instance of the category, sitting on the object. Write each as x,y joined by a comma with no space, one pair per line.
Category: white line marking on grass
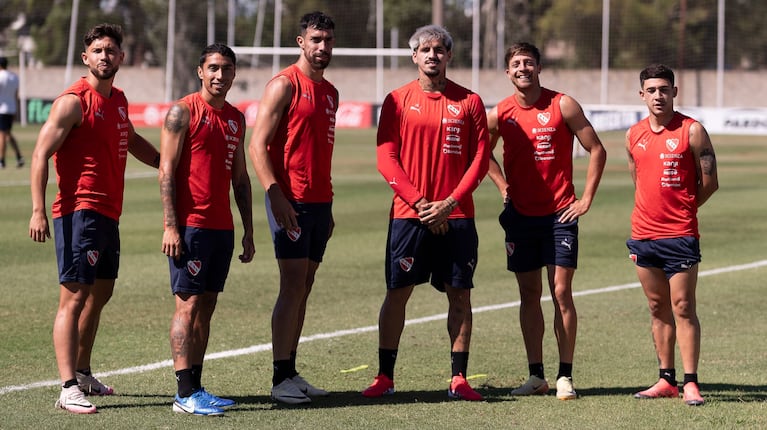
340,333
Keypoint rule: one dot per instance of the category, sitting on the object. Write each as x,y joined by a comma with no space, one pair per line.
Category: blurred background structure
593,49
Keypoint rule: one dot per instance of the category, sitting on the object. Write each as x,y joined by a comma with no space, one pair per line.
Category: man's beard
105,75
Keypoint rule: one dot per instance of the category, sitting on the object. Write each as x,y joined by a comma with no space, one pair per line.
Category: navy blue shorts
672,255
87,247
536,241
6,121
204,262
311,237
414,254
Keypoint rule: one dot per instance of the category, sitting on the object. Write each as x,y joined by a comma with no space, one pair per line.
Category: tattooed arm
172,137
705,158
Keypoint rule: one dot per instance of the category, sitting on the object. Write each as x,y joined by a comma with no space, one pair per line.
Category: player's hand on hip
574,211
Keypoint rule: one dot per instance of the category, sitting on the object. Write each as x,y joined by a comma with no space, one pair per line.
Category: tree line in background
681,33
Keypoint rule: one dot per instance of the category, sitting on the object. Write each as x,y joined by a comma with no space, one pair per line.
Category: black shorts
672,255
536,241
6,121
87,247
414,254
204,262
311,237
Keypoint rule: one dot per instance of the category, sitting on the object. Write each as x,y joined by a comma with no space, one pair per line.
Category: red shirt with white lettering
433,145
204,171
90,164
665,199
537,154
302,147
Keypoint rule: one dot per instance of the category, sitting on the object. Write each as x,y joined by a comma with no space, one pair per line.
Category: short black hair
317,20
522,48
218,48
656,71
3,62
113,31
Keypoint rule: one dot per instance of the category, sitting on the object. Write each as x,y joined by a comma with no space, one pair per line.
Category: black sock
197,376
70,383
669,375
184,379
86,372
386,360
459,361
565,369
690,377
536,369
281,371
293,371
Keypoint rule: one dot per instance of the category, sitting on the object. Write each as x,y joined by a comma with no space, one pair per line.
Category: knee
685,309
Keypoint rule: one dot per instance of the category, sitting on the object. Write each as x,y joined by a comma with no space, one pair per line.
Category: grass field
614,355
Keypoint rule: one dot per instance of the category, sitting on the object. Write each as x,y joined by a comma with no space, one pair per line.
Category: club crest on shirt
93,257
509,248
455,110
193,267
331,102
406,263
543,117
294,234
672,144
233,126
123,113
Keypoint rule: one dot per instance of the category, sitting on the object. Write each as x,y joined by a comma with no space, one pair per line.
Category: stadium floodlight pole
277,32
720,55
475,16
71,44
211,21
605,50
379,45
231,10
171,47
259,30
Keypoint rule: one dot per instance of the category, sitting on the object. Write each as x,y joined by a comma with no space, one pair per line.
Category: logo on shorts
294,234
567,244
193,267
93,257
633,258
509,248
406,263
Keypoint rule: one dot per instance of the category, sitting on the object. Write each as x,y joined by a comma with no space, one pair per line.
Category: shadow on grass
719,392
713,392
340,399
